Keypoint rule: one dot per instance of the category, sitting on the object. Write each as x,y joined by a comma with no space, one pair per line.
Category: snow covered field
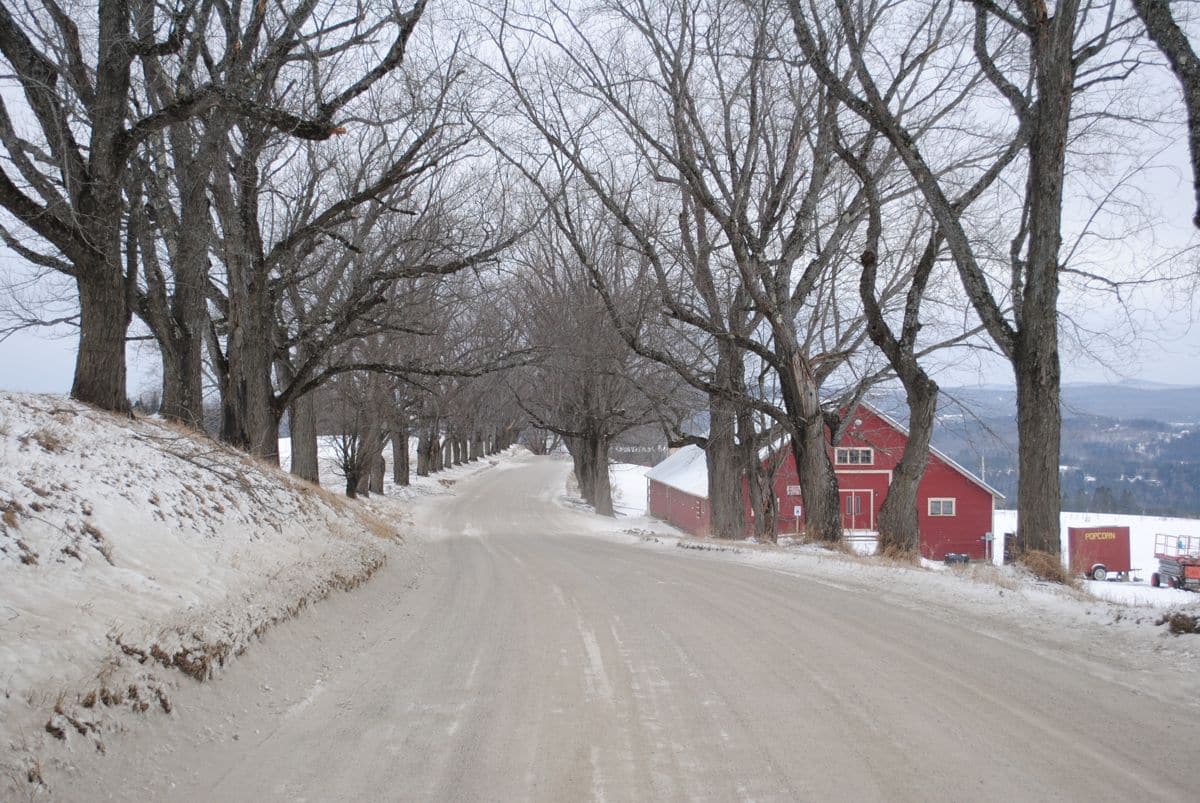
1142,530
629,489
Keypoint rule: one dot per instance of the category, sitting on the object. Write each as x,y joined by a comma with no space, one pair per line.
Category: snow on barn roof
685,470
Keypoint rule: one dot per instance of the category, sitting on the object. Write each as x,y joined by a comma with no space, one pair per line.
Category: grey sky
1165,348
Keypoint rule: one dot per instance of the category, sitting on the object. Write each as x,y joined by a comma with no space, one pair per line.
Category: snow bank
131,550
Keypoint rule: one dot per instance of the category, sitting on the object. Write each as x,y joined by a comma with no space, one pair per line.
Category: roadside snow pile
131,550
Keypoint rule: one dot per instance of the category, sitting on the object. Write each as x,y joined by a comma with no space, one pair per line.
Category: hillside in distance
1126,448
1178,404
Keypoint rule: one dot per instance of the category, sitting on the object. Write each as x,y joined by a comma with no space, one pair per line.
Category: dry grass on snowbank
135,555
1049,567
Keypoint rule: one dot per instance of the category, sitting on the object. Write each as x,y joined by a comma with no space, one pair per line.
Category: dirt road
522,660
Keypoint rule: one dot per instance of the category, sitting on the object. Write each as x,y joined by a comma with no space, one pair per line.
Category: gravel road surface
508,656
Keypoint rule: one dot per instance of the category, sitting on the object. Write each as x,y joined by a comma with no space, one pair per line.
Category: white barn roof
685,471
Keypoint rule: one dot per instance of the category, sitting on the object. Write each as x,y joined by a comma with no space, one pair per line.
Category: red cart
1178,561
1100,552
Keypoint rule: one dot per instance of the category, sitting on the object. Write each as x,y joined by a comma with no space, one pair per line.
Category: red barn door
857,510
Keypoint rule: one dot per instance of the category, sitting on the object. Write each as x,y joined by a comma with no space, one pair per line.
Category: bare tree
1039,63
587,385
714,109
1165,31
72,192
72,181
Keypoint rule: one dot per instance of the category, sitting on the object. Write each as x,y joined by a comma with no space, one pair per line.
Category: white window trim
941,506
838,451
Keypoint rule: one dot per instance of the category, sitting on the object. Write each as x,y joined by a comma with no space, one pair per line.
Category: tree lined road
524,660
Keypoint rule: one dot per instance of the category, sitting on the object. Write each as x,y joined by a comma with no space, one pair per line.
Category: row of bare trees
818,196
389,221
280,195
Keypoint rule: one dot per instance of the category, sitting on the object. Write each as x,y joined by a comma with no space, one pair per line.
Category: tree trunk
370,452
601,483
436,451
1035,353
759,488
818,482
248,421
303,428
899,525
183,377
721,452
1039,431
378,470
103,321
590,456
424,467
581,460
400,468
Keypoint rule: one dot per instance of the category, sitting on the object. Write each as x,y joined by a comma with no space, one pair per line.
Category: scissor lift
1178,561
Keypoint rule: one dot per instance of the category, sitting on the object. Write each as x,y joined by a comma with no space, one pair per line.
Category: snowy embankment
132,551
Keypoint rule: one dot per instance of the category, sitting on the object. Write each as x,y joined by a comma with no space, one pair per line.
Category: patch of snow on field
132,550
629,488
1142,530
1140,594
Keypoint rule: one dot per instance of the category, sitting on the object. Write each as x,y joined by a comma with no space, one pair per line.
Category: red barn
954,506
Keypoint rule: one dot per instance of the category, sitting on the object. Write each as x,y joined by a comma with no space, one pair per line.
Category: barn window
941,507
854,457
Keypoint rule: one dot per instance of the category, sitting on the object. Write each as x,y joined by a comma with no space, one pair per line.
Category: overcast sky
1165,347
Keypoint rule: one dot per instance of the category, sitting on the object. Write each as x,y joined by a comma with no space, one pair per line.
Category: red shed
677,490
954,506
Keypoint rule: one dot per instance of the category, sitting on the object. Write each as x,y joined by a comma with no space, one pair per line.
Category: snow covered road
524,660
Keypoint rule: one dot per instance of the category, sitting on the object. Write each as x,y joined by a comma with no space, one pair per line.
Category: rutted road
522,660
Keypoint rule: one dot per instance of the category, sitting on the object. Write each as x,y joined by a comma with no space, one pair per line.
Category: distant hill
1172,404
1131,447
